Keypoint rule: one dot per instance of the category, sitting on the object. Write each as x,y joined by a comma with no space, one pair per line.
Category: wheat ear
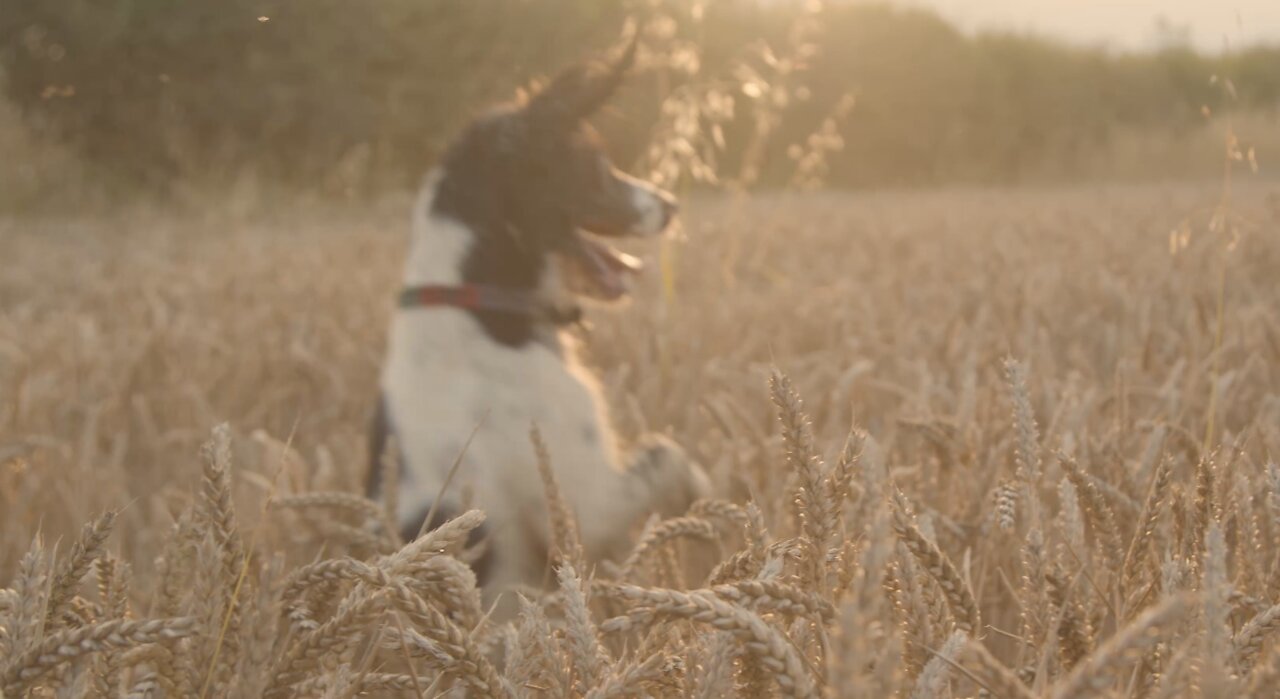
932,680
566,541
587,655
959,597
629,679
1248,641
1097,512
666,530
65,646
994,675
83,553
774,652
1094,673
797,435
1147,521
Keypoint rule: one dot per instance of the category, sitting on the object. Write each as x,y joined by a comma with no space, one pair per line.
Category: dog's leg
670,479
659,477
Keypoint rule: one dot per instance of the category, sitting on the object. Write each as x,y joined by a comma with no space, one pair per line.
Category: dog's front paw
673,480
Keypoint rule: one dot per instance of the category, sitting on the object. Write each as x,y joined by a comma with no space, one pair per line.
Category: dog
508,241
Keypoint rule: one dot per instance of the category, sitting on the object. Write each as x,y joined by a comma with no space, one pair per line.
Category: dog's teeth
631,262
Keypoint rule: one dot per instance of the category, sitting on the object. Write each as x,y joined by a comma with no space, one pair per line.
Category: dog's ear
579,91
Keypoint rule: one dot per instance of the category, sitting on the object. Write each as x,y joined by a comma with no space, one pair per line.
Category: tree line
363,96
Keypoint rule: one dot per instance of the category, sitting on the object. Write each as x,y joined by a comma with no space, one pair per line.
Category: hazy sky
1121,23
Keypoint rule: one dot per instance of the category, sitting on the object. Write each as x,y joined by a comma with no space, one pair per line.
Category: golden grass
930,519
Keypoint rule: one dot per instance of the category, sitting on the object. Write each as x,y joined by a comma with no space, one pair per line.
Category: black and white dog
507,238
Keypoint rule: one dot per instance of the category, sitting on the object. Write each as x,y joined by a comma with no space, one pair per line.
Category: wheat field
969,442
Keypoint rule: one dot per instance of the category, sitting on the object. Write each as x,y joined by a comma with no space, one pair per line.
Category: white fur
649,201
444,377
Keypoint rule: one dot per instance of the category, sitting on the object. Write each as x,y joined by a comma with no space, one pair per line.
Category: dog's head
536,171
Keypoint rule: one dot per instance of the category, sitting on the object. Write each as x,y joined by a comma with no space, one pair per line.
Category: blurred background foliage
359,97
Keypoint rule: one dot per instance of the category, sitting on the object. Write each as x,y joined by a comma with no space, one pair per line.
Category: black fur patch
524,178
380,433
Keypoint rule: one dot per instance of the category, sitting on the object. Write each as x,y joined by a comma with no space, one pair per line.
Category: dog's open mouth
608,272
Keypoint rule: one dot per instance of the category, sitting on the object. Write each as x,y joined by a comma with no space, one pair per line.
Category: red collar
482,297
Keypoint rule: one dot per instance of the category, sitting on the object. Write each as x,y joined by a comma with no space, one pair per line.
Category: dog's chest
445,380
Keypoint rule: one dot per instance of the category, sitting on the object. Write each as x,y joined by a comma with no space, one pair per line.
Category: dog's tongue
608,268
